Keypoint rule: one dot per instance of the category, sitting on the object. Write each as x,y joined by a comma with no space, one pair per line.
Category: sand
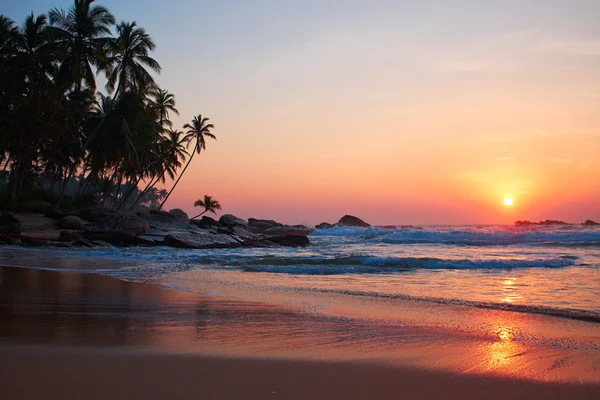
73,336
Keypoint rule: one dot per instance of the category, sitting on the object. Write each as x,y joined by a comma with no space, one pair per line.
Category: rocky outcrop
261,225
118,230
295,230
546,222
99,215
206,223
350,220
179,214
290,240
71,222
324,225
199,240
230,221
9,224
589,222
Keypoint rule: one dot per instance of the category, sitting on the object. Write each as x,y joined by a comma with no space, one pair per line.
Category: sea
538,269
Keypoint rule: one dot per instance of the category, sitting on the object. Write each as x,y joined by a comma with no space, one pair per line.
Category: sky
399,112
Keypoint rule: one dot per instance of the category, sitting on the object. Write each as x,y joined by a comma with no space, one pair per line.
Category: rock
230,221
101,243
118,230
9,224
14,241
349,220
71,222
55,214
99,215
296,230
261,225
525,223
199,240
83,243
37,206
241,232
553,222
164,221
206,222
290,240
68,236
179,214
149,240
589,222
324,225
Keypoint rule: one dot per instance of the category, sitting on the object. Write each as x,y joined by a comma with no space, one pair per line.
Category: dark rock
9,224
230,221
261,225
324,225
101,243
118,230
37,206
13,241
71,222
241,232
388,227
225,231
553,222
149,240
179,214
83,243
68,236
298,230
206,222
199,240
99,215
589,222
525,223
349,220
55,214
290,240
164,221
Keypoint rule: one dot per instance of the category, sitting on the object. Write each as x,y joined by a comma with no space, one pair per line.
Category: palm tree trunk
199,215
178,178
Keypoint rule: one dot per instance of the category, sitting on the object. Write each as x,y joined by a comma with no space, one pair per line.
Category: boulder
37,206
261,225
324,225
199,240
553,222
290,240
589,222
9,224
68,236
525,223
55,214
350,220
296,230
71,222
164,221
118,230
179,214
230,221
206,222
99,214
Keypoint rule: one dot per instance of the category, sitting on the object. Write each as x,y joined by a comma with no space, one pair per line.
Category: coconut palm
164,102
128,57
209,204
10,38
81,34
198,130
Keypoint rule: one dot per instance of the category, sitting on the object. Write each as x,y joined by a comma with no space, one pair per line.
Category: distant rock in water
589,222
290,240
349,220
324,225
546,222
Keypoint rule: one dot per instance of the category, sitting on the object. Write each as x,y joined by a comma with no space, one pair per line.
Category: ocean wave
469,237
386,265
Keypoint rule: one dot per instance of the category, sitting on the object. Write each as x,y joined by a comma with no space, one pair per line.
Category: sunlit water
547,267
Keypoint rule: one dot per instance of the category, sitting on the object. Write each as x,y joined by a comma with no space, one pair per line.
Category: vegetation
66,142
209,204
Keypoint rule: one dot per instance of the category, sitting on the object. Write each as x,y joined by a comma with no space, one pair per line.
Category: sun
508,201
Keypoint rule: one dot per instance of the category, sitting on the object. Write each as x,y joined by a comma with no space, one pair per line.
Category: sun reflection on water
509,291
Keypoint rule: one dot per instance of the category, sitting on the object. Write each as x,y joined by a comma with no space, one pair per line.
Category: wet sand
79,335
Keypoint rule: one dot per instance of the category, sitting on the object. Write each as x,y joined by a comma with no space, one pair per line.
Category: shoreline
66,309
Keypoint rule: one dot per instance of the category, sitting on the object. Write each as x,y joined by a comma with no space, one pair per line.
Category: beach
93,336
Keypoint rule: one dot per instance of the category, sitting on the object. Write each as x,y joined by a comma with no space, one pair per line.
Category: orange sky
398,120
398,112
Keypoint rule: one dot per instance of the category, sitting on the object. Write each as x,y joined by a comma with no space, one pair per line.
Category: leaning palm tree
209,204
199,130
81,34
128,57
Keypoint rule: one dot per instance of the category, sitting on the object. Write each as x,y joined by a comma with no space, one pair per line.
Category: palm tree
81,36
164,102
10,38
128,54
199,130
209,204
